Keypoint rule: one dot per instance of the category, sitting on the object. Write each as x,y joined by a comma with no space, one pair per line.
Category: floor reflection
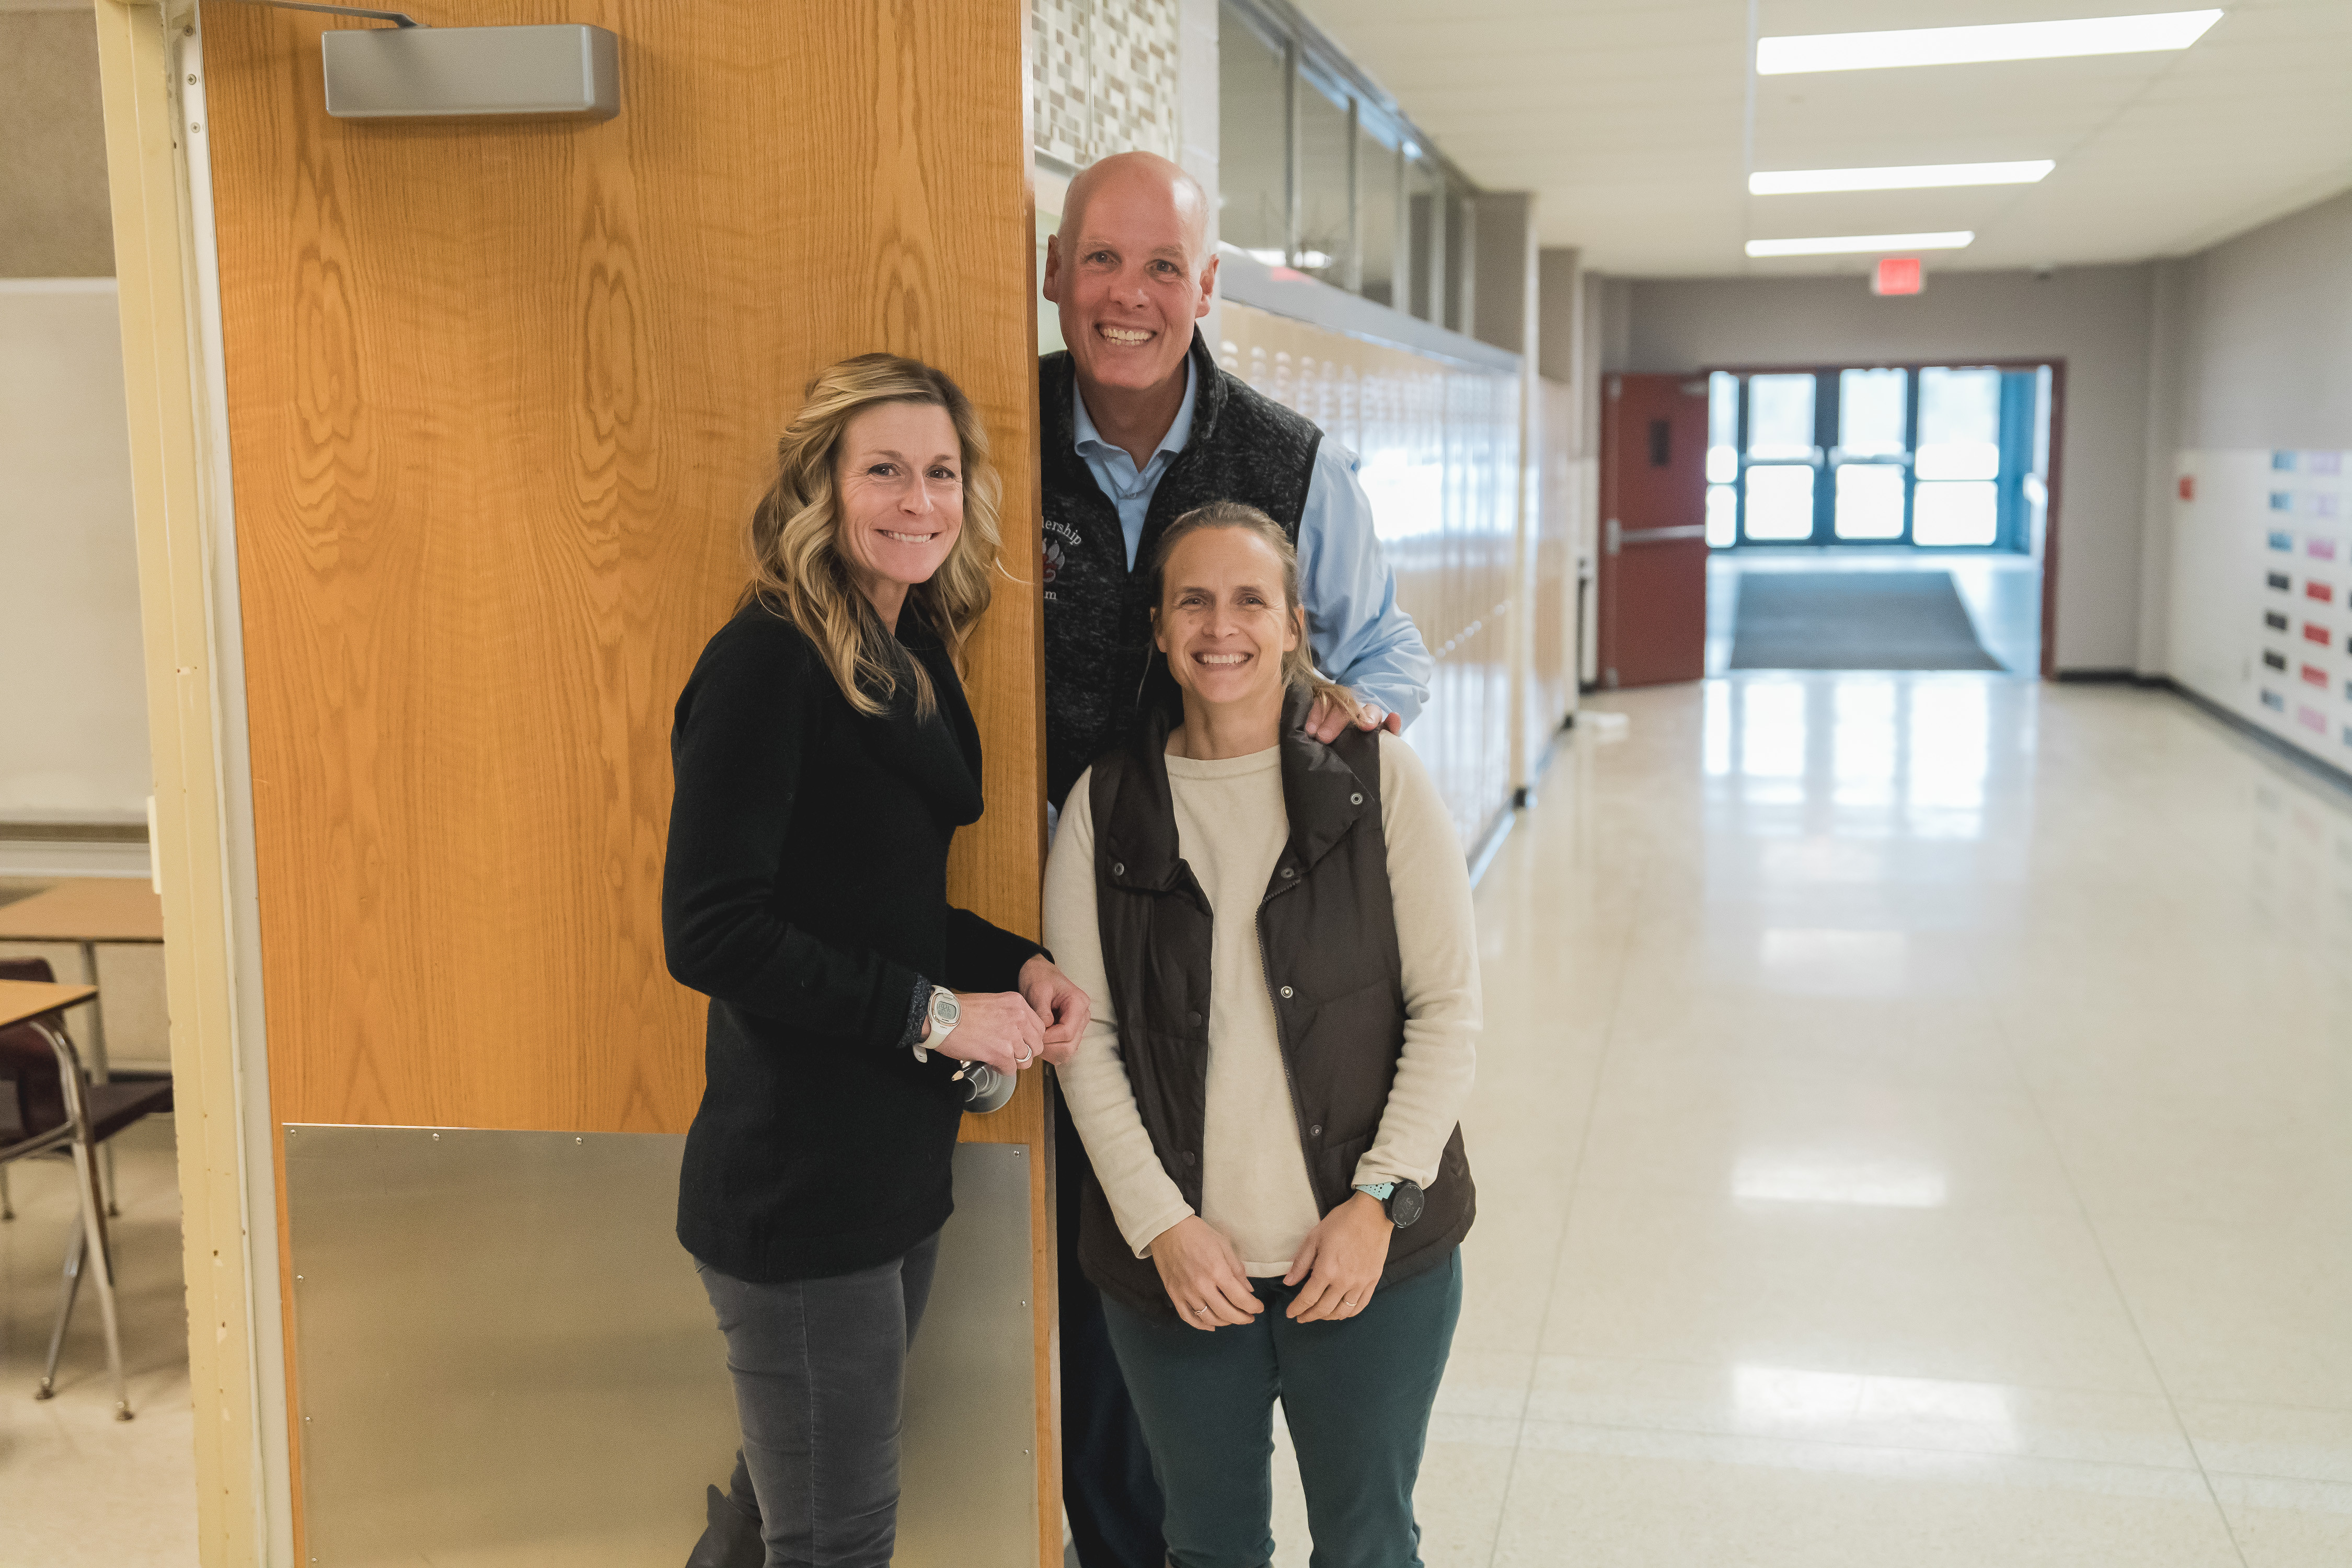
1858,754
1910,1127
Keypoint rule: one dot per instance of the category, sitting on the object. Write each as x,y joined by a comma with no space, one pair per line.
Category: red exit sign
1897,275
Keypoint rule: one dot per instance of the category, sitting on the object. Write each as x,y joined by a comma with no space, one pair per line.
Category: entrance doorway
1938,480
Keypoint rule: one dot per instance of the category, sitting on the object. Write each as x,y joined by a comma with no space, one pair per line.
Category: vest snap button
1315,1132
1118,868
1288,873
1355,800
1285,992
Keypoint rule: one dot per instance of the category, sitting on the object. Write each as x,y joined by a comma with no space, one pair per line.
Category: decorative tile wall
1104,78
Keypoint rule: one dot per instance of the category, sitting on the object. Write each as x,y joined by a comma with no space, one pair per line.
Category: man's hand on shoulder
1327,719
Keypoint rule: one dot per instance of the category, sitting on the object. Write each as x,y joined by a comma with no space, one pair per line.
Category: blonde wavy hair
1298,663
798,570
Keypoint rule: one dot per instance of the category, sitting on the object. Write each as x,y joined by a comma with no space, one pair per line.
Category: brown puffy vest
1326,933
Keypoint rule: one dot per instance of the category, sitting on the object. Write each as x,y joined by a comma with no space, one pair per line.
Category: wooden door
1653,610
499,397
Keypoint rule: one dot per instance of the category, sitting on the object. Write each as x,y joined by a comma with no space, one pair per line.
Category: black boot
732,1540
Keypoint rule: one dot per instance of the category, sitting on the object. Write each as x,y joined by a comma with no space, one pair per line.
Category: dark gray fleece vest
1245,446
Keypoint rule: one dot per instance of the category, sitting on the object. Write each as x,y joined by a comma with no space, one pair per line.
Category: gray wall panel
2266,323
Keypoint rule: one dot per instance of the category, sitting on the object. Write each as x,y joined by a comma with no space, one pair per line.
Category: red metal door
1653,529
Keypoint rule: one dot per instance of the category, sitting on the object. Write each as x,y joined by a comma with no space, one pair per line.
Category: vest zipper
1282,1040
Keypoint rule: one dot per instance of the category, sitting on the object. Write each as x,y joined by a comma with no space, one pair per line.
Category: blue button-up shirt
1354,627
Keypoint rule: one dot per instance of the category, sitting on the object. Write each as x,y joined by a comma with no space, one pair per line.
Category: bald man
1139,427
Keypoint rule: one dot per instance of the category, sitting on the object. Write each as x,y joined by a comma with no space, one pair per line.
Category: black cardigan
806,893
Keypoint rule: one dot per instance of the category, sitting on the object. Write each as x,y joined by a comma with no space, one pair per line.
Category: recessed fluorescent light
1918,177
1853,244
1965,45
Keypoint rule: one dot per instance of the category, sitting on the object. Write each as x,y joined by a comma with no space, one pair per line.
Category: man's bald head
1131,270
1141,176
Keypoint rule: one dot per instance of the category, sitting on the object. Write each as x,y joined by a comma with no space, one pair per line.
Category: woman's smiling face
900,479
1224,620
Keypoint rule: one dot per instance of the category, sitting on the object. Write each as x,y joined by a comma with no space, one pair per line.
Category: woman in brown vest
1268,1099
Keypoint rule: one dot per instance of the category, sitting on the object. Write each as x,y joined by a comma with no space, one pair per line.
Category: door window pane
1327,184
1722,429
1722,517
1779,421
1956,514
1960,423
1780,498
1869,501
1377,169
1254,138
1870,413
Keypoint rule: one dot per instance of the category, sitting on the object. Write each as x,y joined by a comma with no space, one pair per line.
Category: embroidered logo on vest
1057,533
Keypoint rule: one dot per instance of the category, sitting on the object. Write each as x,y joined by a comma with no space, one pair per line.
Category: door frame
2054,483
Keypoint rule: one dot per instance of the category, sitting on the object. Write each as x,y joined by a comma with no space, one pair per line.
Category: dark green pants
1357,1394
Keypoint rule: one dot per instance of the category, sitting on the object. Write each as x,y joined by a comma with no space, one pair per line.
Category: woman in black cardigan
825,757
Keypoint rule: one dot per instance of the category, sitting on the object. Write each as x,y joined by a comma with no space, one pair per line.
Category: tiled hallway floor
1911,1128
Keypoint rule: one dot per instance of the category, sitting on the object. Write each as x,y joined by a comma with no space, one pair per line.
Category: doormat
1853,620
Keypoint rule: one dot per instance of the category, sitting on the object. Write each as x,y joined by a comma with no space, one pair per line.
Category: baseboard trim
74,832
2338,779
1492,845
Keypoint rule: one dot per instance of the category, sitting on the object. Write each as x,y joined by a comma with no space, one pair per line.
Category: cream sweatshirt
1230,827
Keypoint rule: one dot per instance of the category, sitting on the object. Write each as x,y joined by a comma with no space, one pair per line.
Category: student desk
22,999
88,911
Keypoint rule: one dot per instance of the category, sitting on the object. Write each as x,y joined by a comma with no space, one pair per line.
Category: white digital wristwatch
944,1012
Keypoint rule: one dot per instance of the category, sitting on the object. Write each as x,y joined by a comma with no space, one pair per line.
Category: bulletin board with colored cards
2261,597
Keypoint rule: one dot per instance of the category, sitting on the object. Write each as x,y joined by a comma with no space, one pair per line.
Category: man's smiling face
1128,273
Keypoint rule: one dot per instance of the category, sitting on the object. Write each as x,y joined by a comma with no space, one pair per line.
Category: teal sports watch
1401,1201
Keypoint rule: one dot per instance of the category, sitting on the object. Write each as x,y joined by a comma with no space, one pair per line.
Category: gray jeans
819,1366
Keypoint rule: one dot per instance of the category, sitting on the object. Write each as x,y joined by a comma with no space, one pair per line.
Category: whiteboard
73,711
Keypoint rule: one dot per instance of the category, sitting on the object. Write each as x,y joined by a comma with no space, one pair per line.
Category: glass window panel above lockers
1869,501
1960,423
1779,419
1780,501
1425,214
1326,182
1870,413
1722,429
1380,193
1461,263
1253,137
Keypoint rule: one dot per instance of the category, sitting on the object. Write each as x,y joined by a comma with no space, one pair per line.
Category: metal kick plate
503,1356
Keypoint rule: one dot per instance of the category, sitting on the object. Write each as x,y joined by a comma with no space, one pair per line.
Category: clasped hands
1341,1260
1010,1030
